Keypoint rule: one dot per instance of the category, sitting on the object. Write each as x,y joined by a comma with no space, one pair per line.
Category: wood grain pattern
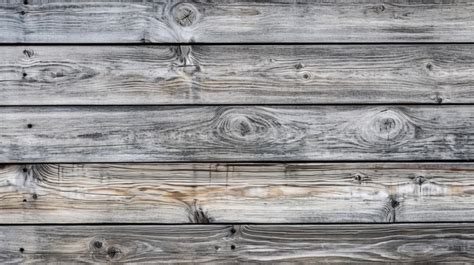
222,74
237,133
408,243
236,193
162,21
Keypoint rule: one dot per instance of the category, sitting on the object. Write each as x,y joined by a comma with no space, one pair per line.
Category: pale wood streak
236,192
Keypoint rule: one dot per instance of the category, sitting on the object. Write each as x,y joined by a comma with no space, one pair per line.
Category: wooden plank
222,74
235,133
242,193
161,21
407,243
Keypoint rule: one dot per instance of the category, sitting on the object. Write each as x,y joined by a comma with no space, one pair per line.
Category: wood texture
428,243
222,74
237,133
149,149
161,21
236,193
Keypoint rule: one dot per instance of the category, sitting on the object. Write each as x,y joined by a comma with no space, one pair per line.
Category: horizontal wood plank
236,193
161,21
222,74
235,133
408,243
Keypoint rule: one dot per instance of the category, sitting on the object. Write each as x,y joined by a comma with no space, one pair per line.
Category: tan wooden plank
230,193
161,21
228,74
235,133
407,243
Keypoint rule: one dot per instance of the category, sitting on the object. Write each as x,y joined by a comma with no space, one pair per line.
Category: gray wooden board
56,21
409,243
236,193
223,74
235,133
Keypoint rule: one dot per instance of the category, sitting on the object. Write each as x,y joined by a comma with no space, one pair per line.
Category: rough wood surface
47,21
224,244
222,74
235,133
236,193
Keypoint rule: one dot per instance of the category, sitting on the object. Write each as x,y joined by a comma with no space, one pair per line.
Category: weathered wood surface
409,243
133,75
48,21
236,193
235,133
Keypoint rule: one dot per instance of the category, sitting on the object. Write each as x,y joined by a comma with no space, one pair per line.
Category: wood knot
386,127
114,253
97,244
232,232
429,66
304,76
28,52
187,63
394,203
197,215
390,209
360,177
185,14
29,125
100,250
299,66
419,180
244,127
379,9
183,52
